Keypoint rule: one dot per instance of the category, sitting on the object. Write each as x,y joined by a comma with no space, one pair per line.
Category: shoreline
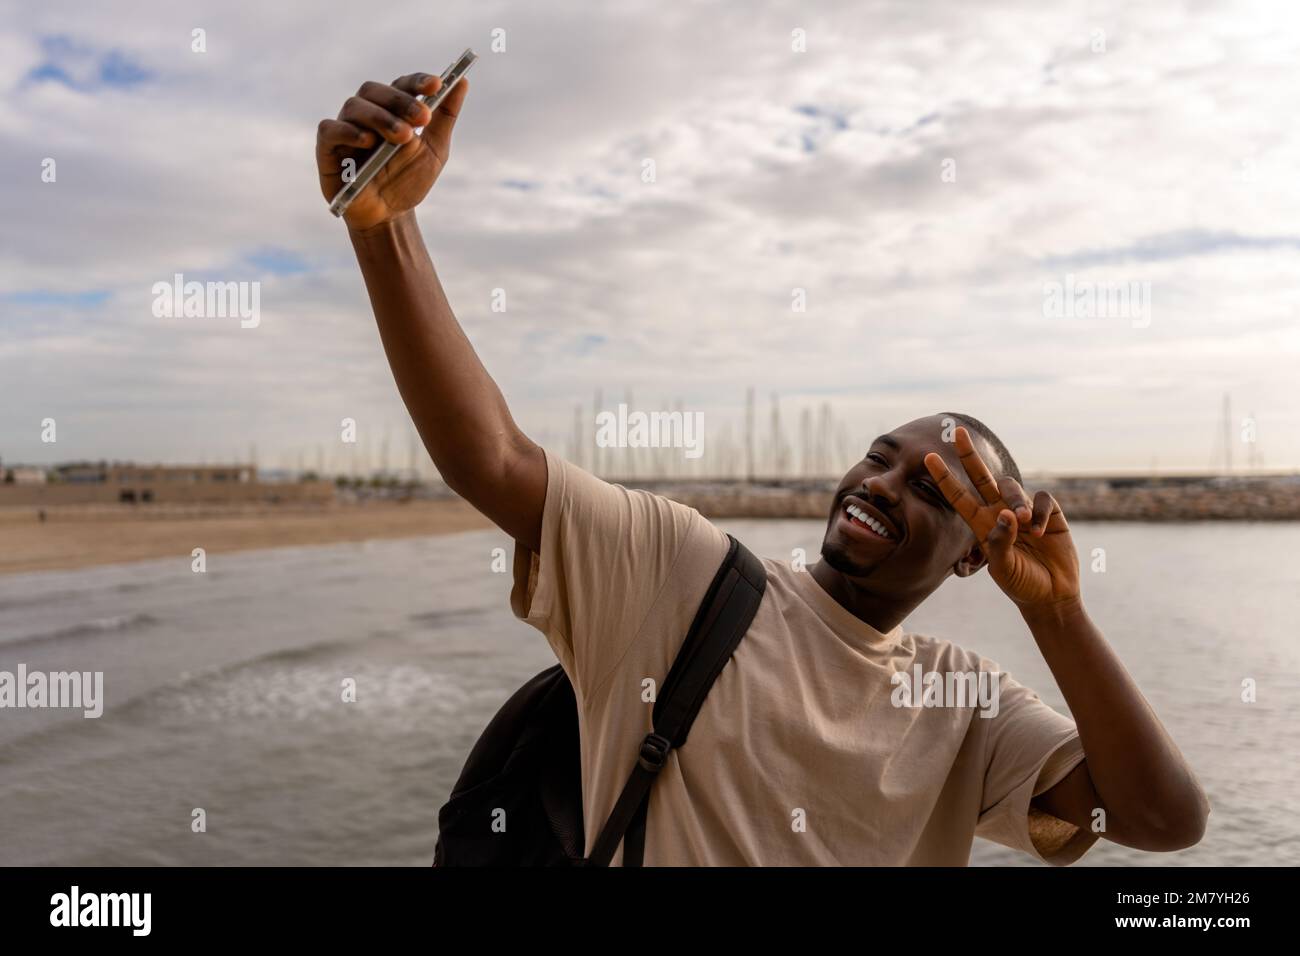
70,539
81,536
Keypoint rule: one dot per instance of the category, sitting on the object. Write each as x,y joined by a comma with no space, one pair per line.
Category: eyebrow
894,443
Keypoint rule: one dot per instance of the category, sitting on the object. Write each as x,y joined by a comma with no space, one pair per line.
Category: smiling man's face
890,528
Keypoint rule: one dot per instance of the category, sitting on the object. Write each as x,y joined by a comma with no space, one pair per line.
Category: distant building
130,483
126,474
23,475
146,483
81,473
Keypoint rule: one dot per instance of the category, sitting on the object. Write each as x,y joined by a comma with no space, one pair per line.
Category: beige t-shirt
799,755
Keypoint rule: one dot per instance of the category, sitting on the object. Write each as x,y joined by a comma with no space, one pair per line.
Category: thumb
1002,538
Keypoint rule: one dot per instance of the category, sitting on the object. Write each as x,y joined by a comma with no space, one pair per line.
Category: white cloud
922,294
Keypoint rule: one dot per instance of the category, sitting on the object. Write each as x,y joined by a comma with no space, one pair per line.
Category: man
818,744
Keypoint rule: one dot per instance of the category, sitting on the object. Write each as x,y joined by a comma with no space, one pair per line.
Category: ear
970,562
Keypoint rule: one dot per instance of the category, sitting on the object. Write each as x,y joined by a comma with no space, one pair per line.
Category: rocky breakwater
1153,498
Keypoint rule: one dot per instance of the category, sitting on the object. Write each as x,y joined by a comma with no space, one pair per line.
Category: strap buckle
654,752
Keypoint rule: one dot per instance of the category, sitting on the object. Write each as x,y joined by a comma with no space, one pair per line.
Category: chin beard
841,562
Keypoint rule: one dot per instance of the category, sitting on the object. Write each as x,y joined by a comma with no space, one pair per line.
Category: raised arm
460,413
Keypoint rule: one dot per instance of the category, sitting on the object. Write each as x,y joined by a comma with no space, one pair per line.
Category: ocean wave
46,598
102,625
443,619
304,683
303,655
67,595
192,694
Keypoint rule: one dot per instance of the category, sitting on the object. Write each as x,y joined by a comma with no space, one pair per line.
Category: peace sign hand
1030,553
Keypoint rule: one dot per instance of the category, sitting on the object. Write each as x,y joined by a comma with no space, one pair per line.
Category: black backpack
526,763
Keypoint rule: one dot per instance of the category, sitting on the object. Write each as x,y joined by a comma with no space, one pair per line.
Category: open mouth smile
858,517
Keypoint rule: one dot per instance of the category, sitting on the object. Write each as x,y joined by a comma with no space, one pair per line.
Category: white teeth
866,519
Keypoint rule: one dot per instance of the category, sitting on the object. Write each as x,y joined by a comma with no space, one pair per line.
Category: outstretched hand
1030,553
388,112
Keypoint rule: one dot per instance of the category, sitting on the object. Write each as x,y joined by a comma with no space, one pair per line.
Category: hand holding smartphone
376,161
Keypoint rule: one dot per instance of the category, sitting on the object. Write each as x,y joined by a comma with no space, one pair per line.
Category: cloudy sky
926,172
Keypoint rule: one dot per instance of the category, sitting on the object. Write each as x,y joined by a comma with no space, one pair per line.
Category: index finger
979,472
962,501
418,83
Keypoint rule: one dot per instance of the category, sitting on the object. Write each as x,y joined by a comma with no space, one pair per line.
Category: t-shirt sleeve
606,554
1029,749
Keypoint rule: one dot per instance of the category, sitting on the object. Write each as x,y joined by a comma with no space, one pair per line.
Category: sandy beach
77,538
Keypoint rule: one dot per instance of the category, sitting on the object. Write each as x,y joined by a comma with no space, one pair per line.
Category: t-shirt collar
840,619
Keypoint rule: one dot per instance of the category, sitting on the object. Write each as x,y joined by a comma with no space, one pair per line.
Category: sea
314,706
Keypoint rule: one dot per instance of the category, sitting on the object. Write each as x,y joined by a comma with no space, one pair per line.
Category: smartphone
386,150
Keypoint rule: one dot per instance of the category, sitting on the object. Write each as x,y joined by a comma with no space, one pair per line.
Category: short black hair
1008,464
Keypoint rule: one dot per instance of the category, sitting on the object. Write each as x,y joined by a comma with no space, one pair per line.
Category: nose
877,486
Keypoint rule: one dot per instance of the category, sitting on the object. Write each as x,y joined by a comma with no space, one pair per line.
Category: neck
880,611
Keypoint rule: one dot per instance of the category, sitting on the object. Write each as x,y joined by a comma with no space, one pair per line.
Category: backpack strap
721,621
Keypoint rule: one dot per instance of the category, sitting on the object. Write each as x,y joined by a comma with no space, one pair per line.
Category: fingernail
1002,520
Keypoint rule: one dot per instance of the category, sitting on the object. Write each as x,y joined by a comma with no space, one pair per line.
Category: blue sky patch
65,300
279,262
1173,245
588,344
81,67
